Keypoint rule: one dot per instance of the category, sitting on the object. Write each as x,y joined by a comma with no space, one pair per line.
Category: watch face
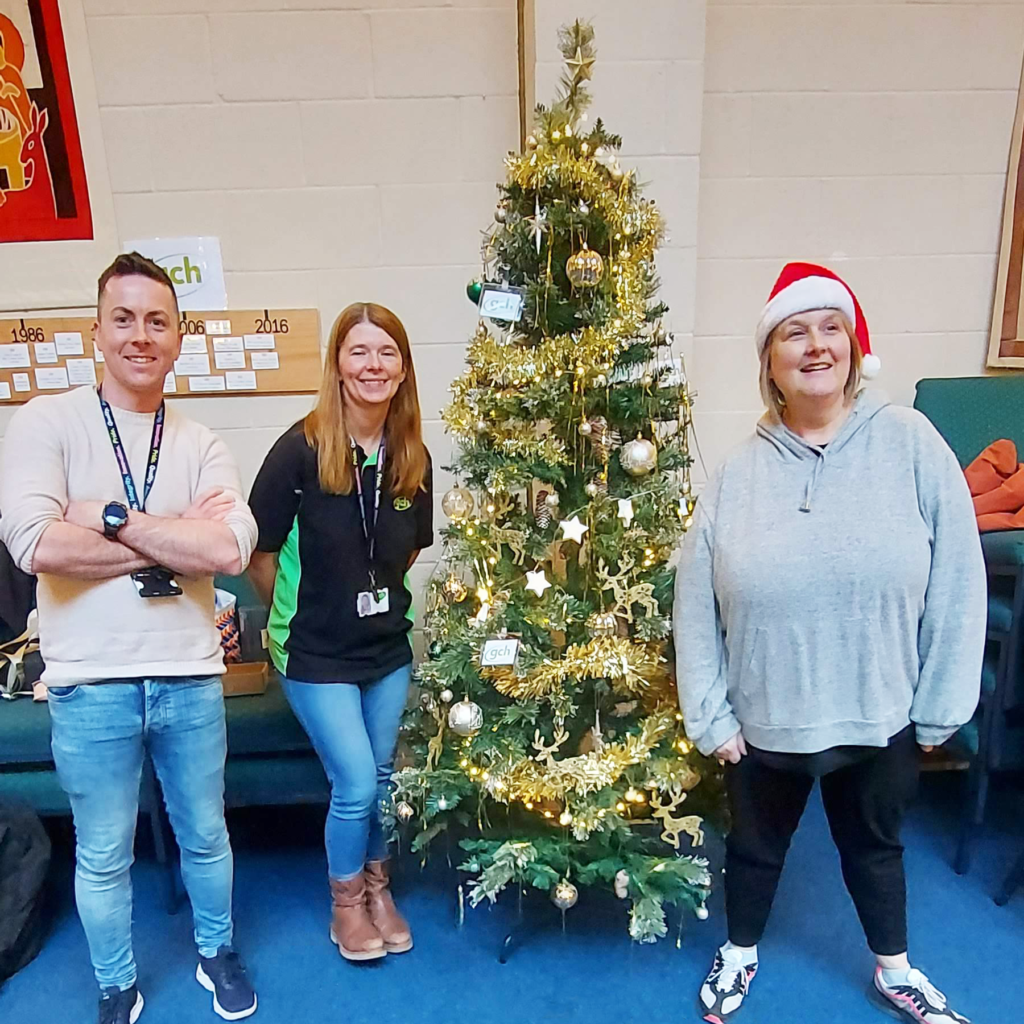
115,515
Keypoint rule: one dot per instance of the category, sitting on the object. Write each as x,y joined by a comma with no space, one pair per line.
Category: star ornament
625,512
573,529
580,66
537,581
538,224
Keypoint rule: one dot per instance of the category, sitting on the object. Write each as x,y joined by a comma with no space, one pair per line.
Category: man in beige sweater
125,510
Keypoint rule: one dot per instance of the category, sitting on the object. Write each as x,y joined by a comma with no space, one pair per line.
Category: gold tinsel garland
586,773
632,668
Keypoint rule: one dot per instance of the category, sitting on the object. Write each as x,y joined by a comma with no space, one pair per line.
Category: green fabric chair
971,413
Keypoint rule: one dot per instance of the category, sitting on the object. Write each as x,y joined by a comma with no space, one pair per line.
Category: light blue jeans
354,729
98,733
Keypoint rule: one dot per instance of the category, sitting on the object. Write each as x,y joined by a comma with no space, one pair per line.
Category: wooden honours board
224,352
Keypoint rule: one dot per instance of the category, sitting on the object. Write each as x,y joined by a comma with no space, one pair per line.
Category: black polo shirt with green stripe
315,633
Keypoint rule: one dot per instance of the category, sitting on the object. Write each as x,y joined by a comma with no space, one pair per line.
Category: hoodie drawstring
819,465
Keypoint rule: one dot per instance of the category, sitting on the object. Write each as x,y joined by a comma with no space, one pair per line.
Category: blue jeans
98,734
354,729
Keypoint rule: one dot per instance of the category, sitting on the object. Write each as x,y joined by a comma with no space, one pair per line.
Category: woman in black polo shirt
344,505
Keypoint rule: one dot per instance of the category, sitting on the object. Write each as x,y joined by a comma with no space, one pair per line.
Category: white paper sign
193,344
265,361
46,352
21,382
52,379
228,345
218,326
241,381
81,371
206,383
69,343
501,303
5,389
187,366
97,354
170,384
499,652
194,265
14,355
260,341
229,360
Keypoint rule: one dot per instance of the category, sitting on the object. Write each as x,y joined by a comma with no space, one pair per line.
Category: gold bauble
455,588
602,624
639,457
564,895
457,503
584,268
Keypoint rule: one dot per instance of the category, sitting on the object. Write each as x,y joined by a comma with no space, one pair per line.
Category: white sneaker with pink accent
916,999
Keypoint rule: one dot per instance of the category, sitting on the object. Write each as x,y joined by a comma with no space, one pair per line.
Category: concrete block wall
870,136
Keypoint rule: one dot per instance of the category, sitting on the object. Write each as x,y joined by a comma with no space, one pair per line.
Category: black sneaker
726,987
224,975
918,1000
117,1007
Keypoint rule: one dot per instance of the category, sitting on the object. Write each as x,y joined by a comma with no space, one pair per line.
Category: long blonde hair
773,397
325,427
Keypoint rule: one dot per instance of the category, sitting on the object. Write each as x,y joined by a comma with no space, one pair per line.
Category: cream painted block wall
648,86
873,138
341,149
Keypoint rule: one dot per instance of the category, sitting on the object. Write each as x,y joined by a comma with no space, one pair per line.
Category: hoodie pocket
800,675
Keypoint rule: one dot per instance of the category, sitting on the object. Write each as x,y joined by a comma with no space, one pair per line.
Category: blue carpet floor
814,965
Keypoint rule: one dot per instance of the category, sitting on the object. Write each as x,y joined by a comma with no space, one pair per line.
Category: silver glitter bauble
564,895
458,503
446,696
639,457
592,489
465,718
552,500
701,913
586,429
499,214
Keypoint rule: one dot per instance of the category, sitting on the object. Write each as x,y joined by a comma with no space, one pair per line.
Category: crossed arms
198,543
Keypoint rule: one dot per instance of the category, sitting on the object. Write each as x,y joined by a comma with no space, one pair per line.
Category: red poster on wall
43,191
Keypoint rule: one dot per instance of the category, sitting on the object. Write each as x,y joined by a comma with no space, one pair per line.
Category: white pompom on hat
805,286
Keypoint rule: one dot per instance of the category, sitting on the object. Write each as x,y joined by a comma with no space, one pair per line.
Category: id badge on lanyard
375,600
156,581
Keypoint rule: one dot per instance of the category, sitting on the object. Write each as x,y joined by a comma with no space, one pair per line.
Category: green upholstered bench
971,413
26,764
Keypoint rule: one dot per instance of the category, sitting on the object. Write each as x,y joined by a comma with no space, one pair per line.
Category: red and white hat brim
801,296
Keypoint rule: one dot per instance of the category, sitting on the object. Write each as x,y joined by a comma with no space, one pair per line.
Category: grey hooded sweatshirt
831,596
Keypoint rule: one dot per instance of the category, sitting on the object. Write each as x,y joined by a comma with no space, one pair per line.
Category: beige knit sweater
57,450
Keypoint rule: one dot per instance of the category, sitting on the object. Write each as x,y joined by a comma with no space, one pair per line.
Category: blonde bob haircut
325,427
775,400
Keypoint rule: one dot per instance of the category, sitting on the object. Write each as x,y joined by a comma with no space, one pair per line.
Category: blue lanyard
369,533
122,459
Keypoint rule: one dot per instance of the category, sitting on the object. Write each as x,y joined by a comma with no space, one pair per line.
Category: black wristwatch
115,515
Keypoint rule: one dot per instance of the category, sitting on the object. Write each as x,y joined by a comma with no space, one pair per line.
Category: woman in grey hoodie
829,619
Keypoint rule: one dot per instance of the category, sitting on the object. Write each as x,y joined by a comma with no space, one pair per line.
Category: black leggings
865,803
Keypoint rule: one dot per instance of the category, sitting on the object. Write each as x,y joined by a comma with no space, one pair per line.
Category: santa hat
805,286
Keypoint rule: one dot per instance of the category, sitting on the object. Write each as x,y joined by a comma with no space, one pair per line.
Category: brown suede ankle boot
352,931
393,928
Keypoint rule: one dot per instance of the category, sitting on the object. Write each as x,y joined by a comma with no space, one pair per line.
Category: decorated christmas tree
547,735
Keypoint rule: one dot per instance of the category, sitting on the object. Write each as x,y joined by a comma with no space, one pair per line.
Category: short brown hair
773,397
131,264
325,427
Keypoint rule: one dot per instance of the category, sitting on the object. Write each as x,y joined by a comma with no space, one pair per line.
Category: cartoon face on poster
43,190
